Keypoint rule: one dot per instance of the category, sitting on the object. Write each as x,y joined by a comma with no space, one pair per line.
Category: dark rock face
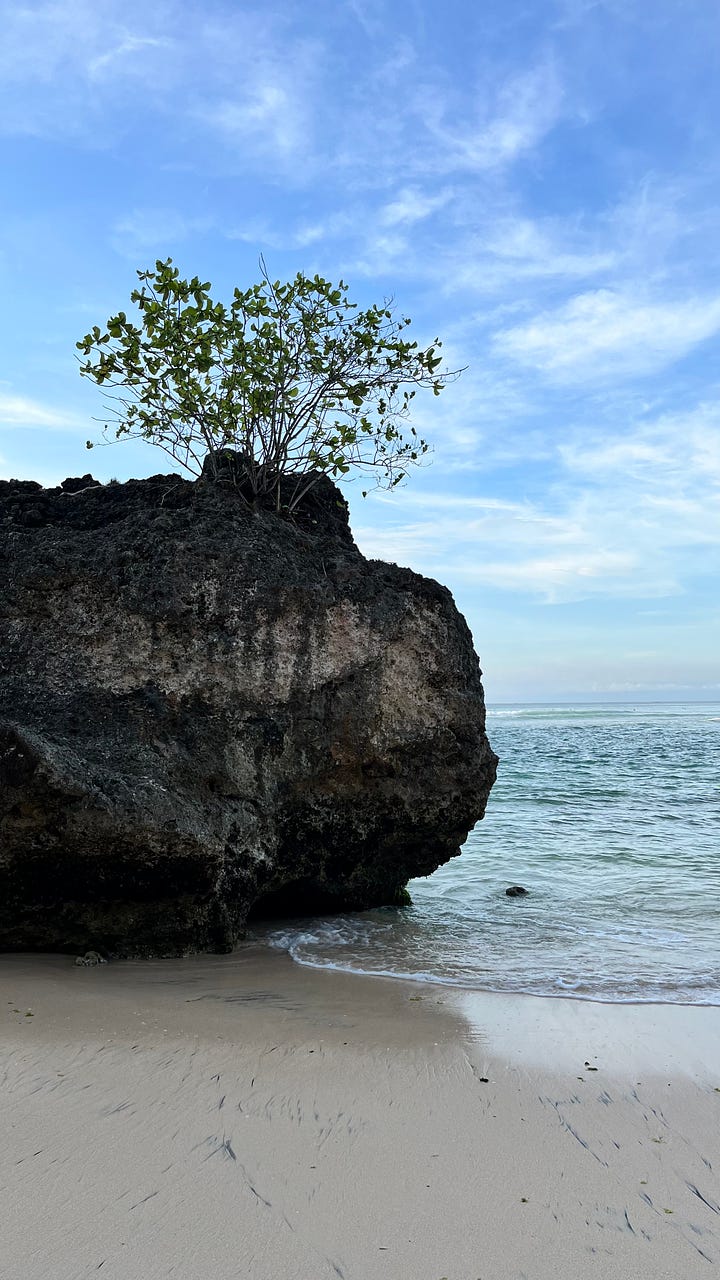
205,709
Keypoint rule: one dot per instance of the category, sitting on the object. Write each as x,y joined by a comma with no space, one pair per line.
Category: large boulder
208,712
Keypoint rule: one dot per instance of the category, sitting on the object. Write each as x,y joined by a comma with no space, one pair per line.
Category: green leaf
295,374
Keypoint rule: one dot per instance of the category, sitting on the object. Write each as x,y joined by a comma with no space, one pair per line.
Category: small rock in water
90,958
516,891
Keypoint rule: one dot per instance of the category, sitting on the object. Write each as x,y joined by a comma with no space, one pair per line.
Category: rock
516,891
208,713
90,959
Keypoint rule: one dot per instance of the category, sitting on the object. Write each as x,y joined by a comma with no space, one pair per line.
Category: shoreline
254,956
246,1115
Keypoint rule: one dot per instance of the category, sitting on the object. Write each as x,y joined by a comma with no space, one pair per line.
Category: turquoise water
609,815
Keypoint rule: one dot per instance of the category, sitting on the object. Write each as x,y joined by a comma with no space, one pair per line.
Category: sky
538,184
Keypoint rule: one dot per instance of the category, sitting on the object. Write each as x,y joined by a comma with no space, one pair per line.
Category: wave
550,987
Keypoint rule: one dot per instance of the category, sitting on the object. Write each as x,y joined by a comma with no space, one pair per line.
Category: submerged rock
207,712
516,891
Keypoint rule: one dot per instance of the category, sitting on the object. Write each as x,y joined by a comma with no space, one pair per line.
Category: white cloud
65,67
266,114
238,86
369,15
660,481
517,548
566,577
301,236
667,455
475,236
522,111
124,57
630,515
261,103
473,131
412,205
63,61
150,230
19,411
510,251
610,333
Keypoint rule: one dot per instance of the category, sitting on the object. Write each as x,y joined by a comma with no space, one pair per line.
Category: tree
293,377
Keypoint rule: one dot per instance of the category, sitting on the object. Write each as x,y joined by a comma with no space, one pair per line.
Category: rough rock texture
206,712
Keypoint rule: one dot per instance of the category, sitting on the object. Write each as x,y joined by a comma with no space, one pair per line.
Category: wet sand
239,1116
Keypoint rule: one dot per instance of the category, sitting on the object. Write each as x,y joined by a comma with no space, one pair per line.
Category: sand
240,1116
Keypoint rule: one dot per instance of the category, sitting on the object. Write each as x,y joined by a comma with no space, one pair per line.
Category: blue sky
536,183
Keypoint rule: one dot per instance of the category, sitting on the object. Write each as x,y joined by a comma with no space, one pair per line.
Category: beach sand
239,1116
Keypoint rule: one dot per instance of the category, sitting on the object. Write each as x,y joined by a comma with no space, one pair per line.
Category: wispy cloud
679,449
242,86
93,73
147,231
20,411
627,516
261,103
511,251
323,231
608,333
369,14
412,205
518,549
266,117
507,122
123,57
560,578
62,62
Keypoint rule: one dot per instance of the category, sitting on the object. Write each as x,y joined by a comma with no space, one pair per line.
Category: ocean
609,816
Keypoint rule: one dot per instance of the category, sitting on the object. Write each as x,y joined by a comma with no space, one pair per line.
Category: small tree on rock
293,377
